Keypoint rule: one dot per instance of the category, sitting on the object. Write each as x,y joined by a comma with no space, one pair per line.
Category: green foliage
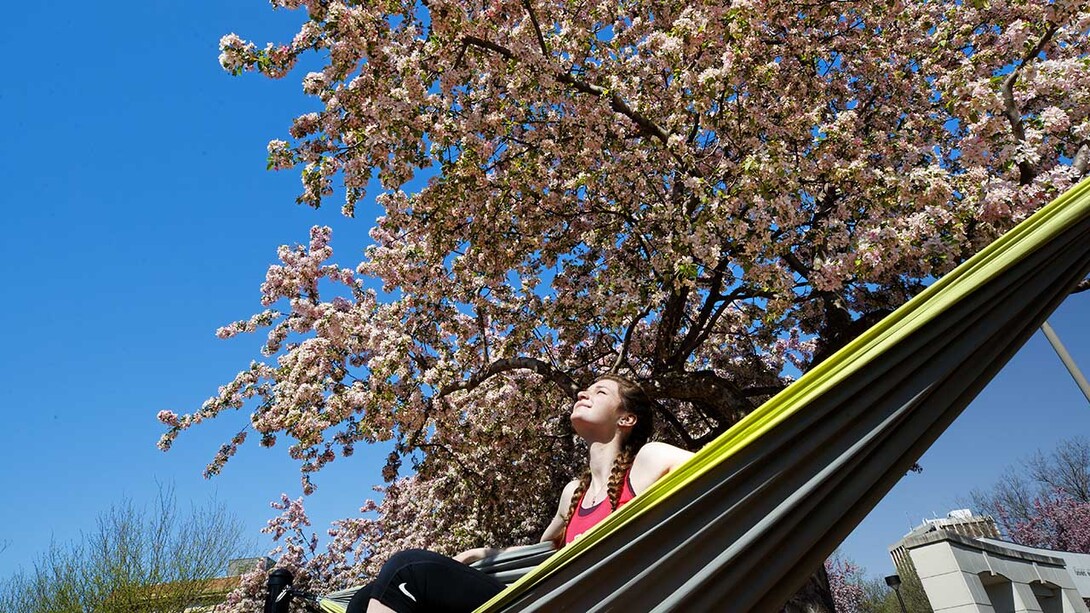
137,559
880,598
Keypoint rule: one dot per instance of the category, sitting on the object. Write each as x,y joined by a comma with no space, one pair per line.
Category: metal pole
900,600
894,581
1066,358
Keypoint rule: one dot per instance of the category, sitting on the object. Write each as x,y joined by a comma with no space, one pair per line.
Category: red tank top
585,519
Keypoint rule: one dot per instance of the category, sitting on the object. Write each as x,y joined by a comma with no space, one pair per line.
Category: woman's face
597,409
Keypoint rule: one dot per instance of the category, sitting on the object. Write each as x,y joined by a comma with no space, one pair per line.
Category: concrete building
961,521
963,569
1078,564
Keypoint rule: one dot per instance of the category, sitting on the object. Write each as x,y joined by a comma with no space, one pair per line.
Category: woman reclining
614,416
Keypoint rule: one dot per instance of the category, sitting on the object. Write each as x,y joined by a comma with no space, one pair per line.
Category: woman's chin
578,423
587,430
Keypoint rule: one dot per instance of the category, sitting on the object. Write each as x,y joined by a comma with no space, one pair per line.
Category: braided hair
635,401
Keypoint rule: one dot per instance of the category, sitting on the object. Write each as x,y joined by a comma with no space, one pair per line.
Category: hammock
747,520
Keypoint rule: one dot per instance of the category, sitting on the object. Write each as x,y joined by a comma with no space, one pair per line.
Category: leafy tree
708,196
1043,483
854,592
137,559
880,598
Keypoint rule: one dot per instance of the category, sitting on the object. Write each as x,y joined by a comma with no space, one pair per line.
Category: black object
278,596
420,580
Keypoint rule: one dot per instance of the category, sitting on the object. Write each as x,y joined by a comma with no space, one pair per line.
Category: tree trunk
814,597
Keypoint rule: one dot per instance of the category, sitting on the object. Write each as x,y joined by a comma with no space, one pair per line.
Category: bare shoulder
569,489
665,455
654,460
565,497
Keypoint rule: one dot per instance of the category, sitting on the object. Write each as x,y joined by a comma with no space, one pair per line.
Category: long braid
577,495
617,475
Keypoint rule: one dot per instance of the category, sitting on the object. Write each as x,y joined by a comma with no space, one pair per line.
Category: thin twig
623,354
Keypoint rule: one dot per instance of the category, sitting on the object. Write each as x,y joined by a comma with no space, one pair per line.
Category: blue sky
138,217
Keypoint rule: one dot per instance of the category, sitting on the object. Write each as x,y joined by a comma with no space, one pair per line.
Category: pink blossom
169,418
1059,522
846,584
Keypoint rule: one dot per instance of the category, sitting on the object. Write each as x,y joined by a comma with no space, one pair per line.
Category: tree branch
678,427
691,345
623,354
1082,159
490,46
706,312
546,370
670,323
796,264
823,207
615,102
703,386
537,27
1026,171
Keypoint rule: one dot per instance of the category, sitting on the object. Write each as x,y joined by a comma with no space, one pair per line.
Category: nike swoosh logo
406,592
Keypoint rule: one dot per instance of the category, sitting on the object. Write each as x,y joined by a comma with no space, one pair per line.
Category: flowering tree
1059,521
846,582
1036,488
709,196
854,592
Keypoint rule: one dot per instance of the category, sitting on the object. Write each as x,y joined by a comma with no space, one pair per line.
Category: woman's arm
653,461
470,556
553,532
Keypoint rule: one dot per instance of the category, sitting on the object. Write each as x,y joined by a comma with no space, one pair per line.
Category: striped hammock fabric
743,524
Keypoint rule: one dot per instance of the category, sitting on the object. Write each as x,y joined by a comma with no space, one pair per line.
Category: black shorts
418,580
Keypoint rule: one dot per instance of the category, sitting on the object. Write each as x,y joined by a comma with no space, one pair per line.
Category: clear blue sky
138,217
